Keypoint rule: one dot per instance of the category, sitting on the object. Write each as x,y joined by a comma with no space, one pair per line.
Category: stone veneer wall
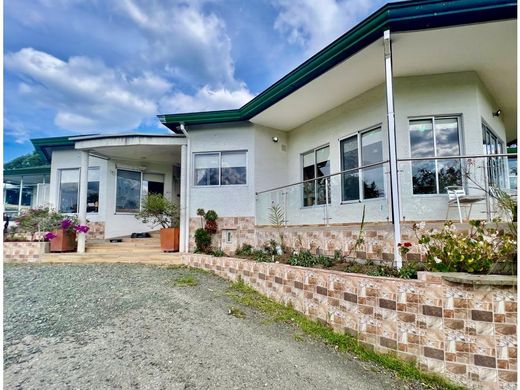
242,231
465,332
23,251
378,237
96,231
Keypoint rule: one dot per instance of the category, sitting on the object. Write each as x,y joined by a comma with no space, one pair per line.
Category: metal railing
477,174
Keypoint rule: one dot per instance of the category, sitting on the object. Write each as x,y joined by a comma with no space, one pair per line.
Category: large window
316,165
153,183
435,137
128,191
358,150
69,190
93,190
495,165
220,168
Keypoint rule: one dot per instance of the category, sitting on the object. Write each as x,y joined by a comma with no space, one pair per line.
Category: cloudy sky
103,66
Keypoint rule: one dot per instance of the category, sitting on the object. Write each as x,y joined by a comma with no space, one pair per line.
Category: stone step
143,244
141,258
102,250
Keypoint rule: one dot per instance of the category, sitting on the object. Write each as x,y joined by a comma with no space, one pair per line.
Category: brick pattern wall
96,231
242,232
22,252
464,332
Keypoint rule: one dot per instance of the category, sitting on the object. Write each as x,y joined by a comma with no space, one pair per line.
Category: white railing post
392,147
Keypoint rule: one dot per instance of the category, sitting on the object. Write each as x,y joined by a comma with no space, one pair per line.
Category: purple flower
66,223
82,228
49,236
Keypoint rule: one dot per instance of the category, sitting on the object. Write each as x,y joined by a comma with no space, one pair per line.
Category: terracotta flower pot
170,239
65,241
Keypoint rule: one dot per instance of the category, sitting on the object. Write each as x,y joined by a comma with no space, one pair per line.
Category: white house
382,120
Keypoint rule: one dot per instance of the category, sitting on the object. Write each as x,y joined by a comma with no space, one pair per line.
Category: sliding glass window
69,190
128,191
365,148
316,165
430,138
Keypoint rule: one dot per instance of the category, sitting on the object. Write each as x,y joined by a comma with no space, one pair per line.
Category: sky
104,66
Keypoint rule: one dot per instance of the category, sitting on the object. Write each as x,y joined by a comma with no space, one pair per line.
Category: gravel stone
120,326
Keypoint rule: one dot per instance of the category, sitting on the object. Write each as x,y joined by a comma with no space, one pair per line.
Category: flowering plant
404,248
67,223
448,250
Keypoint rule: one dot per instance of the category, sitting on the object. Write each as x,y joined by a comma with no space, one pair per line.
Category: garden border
466,332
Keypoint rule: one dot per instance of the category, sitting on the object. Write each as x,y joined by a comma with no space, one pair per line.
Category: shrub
211,215
261,256
159,211
202,241
218,253
244,250
450,251
306,259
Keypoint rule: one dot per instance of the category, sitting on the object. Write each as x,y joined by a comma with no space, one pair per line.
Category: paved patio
120,326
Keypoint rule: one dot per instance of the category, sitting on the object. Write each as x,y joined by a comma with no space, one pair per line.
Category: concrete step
144,244
141,258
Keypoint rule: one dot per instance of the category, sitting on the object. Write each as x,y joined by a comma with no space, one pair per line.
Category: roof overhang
134,147
362,43
45,146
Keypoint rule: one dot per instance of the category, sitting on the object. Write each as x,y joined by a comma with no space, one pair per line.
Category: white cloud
17,130
86,94
314,24
206,99
185,41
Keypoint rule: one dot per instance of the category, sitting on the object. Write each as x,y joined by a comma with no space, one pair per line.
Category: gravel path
131,327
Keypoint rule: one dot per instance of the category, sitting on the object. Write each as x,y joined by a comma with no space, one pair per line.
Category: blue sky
102,66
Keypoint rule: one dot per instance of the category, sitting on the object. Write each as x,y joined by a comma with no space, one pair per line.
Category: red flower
407,244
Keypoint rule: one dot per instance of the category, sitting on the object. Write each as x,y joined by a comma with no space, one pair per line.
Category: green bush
159,211
307,259
218,253
261,256
211,215
244,250
450,251
202,241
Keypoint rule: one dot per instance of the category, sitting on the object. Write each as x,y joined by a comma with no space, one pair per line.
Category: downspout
187,190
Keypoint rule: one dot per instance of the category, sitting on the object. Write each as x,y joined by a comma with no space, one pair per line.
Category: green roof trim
44,169
396,17
44,146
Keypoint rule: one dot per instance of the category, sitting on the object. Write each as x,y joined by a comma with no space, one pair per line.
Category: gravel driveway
132,327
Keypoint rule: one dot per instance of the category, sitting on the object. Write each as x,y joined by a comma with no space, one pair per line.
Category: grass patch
236,312
246,295
186,281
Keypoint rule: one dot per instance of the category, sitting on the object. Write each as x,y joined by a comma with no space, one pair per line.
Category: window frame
502,162
219,153
314,151
358,134
460,129
60,170
140,192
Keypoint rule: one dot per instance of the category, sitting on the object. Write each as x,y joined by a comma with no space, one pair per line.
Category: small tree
159,211
277,218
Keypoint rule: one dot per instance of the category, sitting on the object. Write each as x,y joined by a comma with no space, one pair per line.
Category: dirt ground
133,327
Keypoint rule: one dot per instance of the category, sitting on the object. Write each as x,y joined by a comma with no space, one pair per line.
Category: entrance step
150,257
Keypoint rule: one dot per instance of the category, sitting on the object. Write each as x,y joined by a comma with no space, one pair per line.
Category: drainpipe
186,190
392,146
83,191
20,196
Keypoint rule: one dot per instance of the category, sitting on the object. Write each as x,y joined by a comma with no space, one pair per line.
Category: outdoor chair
457,198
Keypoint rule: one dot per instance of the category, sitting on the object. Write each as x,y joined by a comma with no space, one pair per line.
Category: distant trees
28,160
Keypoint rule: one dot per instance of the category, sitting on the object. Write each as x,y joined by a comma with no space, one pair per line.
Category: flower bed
465,332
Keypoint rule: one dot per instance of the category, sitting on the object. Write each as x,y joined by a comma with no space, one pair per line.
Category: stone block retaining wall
465,332
23,252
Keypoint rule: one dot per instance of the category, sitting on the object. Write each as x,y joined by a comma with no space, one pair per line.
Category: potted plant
62,230
160,211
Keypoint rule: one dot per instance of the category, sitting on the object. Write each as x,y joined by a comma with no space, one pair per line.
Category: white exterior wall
445,94
227,201
116,224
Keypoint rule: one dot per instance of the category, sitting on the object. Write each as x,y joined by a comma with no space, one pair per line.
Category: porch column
392,148
82,207
20,196
184,222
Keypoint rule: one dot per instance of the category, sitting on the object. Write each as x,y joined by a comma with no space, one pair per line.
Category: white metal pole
183,219
392,147
20,196
82,207
188,180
